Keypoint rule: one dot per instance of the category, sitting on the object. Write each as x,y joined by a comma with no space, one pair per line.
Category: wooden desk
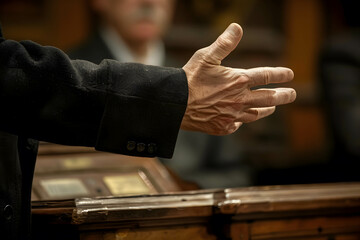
322,211
64,172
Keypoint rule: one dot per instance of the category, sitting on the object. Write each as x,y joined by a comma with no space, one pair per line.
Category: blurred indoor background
294,145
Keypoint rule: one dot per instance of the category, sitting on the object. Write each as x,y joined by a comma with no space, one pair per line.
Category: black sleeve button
151,148
8,212
131,145
140,147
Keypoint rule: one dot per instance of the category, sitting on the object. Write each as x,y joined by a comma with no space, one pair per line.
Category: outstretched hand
220,98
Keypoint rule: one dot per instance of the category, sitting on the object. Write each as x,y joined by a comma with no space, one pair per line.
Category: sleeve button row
141,147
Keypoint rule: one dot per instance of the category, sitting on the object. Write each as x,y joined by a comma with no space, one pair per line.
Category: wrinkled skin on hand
220,98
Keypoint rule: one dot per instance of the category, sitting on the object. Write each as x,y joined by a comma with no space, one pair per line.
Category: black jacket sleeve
130,109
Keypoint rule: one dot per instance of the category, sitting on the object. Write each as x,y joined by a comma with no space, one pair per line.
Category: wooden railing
319,211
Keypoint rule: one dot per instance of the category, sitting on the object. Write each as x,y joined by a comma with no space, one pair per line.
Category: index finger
265,75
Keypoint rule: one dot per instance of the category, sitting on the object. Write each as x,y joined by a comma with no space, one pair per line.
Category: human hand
220,98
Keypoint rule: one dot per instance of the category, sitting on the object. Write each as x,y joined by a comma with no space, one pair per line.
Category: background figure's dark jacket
130,109
93,50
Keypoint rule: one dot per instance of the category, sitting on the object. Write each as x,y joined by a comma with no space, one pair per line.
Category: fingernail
291,73
293,95
234,29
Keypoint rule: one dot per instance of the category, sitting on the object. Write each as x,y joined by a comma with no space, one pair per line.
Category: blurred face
136,20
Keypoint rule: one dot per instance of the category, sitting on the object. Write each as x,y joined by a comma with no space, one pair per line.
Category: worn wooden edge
290,198
65,203
241,204
155,206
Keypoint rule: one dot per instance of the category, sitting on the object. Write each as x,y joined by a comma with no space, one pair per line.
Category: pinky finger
253,114
231,128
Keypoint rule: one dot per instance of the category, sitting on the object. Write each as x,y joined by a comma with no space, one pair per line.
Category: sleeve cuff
147,125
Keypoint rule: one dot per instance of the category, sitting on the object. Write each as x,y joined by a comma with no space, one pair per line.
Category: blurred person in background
133,31
127,31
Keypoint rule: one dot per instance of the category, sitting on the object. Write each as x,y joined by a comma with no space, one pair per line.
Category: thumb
225,44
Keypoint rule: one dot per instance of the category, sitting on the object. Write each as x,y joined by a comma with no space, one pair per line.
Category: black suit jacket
130,109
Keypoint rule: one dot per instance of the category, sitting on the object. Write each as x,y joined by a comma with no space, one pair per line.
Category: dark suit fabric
46,96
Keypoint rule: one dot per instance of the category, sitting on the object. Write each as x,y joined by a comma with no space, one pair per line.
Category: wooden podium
316,212
87,195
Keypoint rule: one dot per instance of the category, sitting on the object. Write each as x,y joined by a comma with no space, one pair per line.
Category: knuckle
201,52
243,78
224,125
223,43
230,128
254,115
266,75
270,100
